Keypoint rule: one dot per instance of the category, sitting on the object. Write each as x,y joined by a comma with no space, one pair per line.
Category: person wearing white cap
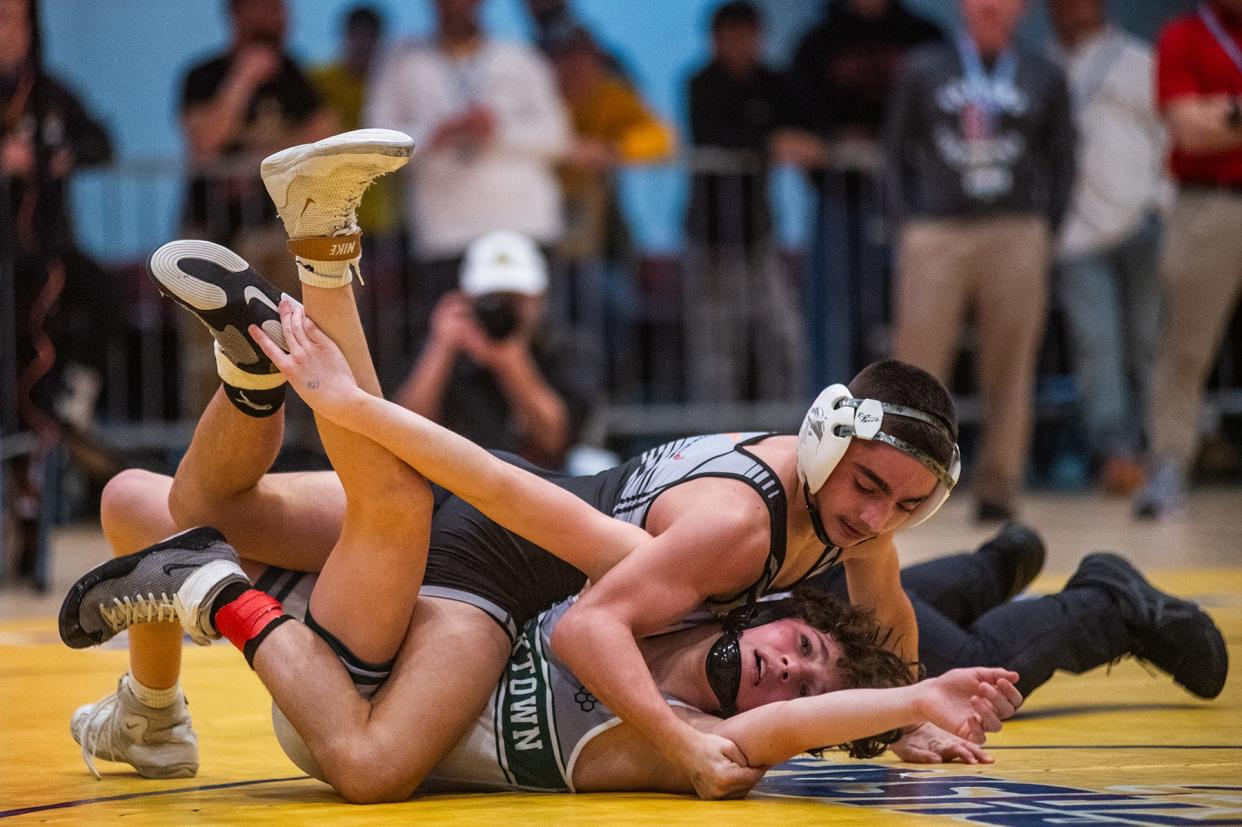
491,369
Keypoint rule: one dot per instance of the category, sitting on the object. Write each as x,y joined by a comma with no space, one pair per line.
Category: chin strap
817,522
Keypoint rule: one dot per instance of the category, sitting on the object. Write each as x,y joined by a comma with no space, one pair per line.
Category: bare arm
967,702
542,416
620,759
423,391
706,551
873,575
211,124
1199,124
516,499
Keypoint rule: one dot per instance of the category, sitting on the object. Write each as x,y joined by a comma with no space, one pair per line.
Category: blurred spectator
237,107
342,85
492,370
981,165
1106,275
62,296
612,126
64,305
242,105
845,66
738,297
556,23
1199,92
490,126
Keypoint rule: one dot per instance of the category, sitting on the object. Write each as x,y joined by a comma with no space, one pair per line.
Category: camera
497,314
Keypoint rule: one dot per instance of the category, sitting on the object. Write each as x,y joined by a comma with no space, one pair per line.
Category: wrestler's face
872,491
787,659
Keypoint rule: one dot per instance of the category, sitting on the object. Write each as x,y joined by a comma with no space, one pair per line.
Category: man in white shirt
489,126
1108,283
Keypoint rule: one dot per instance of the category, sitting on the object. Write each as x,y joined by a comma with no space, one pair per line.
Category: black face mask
497,314
724,659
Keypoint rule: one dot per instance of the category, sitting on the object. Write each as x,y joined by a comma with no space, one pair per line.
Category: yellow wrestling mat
1105,748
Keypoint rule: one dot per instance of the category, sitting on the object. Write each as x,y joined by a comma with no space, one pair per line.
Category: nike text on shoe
317,188
147,586
158,743
227,295
1172,634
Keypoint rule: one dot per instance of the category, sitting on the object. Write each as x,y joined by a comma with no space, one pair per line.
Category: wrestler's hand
929,744
314,365
969,702
717,768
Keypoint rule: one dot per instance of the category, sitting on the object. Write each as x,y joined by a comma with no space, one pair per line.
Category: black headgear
724,659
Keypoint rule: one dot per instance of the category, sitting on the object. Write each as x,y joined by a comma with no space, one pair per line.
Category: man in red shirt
1199,92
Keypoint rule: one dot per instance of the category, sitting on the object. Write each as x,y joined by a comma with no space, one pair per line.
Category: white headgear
836,417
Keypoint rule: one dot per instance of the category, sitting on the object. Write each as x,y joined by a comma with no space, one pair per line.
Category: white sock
327,273
154,698
231,374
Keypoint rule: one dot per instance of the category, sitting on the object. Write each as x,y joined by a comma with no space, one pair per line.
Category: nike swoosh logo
169,568
254,294
254,405
306,207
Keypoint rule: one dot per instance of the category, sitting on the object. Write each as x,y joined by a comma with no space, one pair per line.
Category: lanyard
980,86
1226,42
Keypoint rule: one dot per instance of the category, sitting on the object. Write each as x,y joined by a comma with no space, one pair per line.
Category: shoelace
128,610
93,734
1148,667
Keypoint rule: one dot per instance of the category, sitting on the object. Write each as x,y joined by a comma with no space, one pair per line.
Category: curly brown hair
865,663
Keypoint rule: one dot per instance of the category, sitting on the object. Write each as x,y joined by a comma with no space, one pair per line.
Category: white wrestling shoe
317,188
158,743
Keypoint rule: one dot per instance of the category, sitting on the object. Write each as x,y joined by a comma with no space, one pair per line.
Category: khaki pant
997,267
1201,269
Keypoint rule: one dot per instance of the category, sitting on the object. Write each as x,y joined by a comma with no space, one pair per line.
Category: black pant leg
961,586
1075,630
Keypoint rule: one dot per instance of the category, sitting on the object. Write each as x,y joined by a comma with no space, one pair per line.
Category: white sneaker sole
386,149
203,295
194,291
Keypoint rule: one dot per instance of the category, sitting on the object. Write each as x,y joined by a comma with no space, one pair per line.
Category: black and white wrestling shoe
175,579
227,295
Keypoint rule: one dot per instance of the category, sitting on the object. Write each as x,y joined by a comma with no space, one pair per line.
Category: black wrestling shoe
1174,635
227,295
175,579
1020,552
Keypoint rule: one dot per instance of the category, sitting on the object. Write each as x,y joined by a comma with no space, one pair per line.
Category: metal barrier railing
833,251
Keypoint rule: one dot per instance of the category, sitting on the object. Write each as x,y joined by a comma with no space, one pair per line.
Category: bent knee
133,510
392,494
361,773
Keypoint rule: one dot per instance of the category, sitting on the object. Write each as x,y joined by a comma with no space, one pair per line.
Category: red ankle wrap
247,616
